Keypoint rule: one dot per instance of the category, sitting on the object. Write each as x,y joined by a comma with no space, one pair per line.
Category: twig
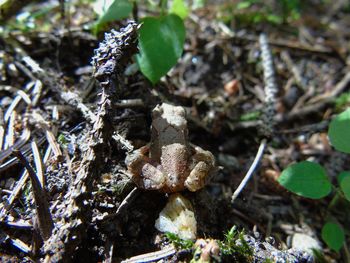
111,56
153,256
250,171
127,200
42,206
124,204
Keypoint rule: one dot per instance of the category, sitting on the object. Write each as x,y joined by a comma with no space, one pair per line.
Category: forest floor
49,99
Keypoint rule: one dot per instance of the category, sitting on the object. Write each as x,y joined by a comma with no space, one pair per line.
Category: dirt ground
50,102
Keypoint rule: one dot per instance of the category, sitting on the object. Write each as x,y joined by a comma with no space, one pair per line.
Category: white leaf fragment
178,217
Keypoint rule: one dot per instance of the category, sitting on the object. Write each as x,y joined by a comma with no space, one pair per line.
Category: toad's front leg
203,167
145,173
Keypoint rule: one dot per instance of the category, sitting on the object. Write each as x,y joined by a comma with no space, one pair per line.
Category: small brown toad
170,163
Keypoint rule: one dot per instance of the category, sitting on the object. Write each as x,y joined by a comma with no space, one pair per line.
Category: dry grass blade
318,103
54,145
20,245
10,136
36,93
42,206
14,194
50,137
153,256
17,145
2,135
20,184
21,95
20,224
24,96
250,171
38,164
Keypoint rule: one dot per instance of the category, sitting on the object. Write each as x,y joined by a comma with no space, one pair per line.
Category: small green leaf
339,132
345,187
342,175
342,100
179,8
111,10
276,19
198,4
243,5
333,235
250,116
161,42
307,179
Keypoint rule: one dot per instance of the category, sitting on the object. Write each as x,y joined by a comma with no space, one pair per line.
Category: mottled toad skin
170,163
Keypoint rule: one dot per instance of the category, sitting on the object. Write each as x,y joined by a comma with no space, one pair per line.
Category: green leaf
243,5
179,8
161,42
198,4
307,179
345,187
250,116
333,235
339,132
111,10
342,100
276,19
342,175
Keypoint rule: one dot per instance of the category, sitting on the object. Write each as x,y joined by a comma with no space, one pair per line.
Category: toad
170,163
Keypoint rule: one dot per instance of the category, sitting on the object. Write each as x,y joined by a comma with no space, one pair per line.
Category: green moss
233,248
235,251
178,242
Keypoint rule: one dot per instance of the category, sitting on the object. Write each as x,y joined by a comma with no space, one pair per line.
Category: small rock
305,243
231,87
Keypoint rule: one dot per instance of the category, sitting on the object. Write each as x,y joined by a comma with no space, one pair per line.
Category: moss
233,248
178,242
234,251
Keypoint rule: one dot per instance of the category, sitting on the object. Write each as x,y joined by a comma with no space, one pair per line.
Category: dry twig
153,256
